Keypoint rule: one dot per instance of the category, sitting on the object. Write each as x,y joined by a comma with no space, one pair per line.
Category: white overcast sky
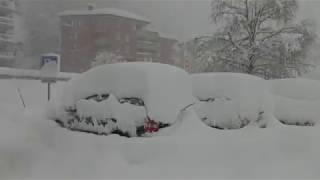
182,19
185,19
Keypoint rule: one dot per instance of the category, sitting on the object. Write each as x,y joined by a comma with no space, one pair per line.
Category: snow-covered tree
256,37
106,57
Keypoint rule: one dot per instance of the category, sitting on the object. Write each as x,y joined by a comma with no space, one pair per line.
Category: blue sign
48,59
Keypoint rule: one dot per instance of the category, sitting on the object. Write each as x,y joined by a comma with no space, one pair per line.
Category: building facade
85,33
9,44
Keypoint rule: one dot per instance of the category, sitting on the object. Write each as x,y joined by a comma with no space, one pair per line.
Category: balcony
8,38
148,36
5,24
103,43
7,56
147,46
5,10
6,20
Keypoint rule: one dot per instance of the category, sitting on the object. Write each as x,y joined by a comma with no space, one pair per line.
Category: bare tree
256,37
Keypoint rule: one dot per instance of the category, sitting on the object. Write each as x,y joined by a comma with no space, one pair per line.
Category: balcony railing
5,10
148,46
7,55
6,20
7,38
148,36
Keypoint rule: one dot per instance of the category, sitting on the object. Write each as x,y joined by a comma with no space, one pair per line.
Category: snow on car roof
105,11
207,85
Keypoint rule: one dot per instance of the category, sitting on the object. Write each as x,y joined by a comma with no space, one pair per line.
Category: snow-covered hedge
163,90
233,100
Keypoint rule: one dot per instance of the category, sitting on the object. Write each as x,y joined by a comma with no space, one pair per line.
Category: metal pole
21,98
49,91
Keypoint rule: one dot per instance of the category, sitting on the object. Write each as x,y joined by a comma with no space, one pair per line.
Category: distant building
9,45
85,33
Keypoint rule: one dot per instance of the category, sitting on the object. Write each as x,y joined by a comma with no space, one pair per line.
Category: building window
74,47
128,50
127,39
70,23
119,26
118,36
76,36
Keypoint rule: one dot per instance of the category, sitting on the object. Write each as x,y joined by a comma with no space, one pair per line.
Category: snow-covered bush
118,98
106,57
233,100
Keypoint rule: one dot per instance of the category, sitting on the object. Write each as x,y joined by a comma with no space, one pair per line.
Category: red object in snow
151,126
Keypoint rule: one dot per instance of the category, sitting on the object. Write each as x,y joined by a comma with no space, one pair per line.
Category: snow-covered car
297,101
130,99
233,100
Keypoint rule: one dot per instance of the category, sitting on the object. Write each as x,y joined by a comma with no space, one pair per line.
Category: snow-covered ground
33,147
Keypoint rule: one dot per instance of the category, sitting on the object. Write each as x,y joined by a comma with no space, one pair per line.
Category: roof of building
105,11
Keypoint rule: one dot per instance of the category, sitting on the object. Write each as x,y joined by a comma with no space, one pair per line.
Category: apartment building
9,45
85,33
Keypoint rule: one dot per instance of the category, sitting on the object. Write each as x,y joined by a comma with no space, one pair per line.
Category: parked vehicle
130,99
233,100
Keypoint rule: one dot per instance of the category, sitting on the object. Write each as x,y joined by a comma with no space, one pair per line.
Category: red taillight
151,126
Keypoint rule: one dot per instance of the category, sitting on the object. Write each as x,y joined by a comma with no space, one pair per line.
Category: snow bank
34,148
232,100
314,75
29,74
298,89
165,89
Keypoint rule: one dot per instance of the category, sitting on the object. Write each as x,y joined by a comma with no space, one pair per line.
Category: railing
7,55
6,37
4,10
6,20
147,46
148,36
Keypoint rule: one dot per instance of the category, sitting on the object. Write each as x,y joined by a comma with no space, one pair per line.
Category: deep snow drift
34,147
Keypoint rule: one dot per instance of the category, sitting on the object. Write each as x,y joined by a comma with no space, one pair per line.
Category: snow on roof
105,11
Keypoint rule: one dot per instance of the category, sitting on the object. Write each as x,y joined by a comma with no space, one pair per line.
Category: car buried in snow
233,100
129,99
